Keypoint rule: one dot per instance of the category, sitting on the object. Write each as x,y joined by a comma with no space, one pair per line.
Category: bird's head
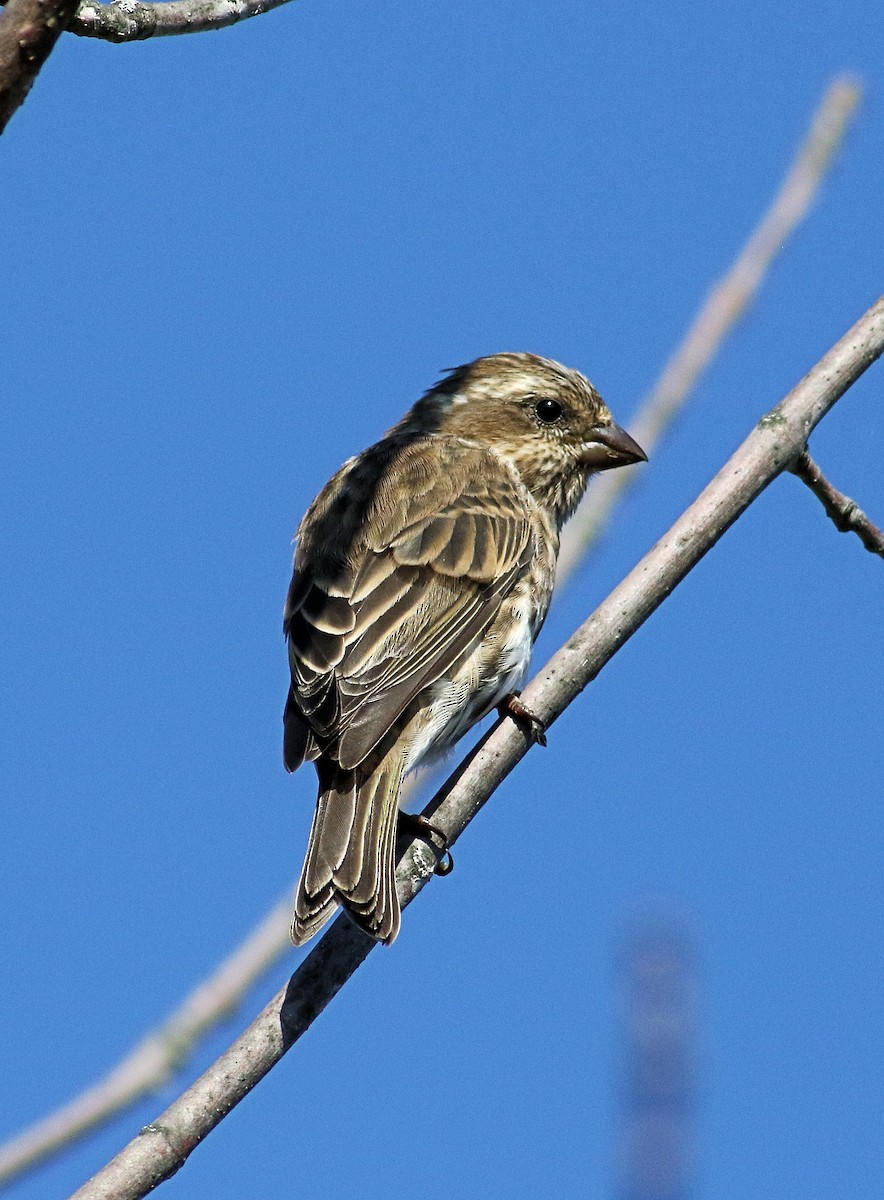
547,420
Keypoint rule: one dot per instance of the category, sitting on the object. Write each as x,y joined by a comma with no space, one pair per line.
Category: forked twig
846,514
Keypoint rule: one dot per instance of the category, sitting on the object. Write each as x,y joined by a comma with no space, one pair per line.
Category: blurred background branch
656,1136
726,303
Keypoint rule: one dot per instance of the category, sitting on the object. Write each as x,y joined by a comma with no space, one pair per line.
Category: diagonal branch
726,303
844,512
162,1051
772,446
28,31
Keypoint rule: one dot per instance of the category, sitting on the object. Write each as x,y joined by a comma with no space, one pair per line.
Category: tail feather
362,841
350,858
336,809
387,913
368,853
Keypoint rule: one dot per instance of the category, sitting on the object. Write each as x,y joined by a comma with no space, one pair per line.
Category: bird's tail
351,855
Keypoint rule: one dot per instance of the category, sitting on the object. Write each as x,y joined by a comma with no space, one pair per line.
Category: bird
423,573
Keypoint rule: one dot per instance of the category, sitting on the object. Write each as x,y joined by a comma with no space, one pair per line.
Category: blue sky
231,261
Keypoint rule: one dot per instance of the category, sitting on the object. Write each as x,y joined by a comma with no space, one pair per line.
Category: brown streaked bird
423,573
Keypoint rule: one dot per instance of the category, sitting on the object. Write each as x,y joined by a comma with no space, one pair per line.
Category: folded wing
402,566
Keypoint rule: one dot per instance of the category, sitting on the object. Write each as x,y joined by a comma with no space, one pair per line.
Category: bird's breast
493,669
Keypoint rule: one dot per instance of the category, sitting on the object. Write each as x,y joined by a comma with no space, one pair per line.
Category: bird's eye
548,411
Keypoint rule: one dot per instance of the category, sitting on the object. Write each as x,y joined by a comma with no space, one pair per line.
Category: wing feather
398,582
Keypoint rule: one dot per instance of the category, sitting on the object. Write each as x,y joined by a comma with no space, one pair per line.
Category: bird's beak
610,446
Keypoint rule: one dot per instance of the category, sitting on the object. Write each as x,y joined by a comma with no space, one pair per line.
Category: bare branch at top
28,31
135,20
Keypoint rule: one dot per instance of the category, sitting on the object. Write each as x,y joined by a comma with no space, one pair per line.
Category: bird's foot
419,826
531,725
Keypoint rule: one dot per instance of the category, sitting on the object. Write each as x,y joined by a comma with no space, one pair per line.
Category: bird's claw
531,725
419,826
445,864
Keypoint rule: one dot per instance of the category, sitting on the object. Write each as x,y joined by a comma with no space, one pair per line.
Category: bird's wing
444,533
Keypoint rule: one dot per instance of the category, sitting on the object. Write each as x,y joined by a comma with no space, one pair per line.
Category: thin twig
133,20
726,303
122,1088
28,31
846,514
772,446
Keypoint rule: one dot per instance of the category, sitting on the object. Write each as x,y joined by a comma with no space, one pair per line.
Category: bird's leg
531,725
419,826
